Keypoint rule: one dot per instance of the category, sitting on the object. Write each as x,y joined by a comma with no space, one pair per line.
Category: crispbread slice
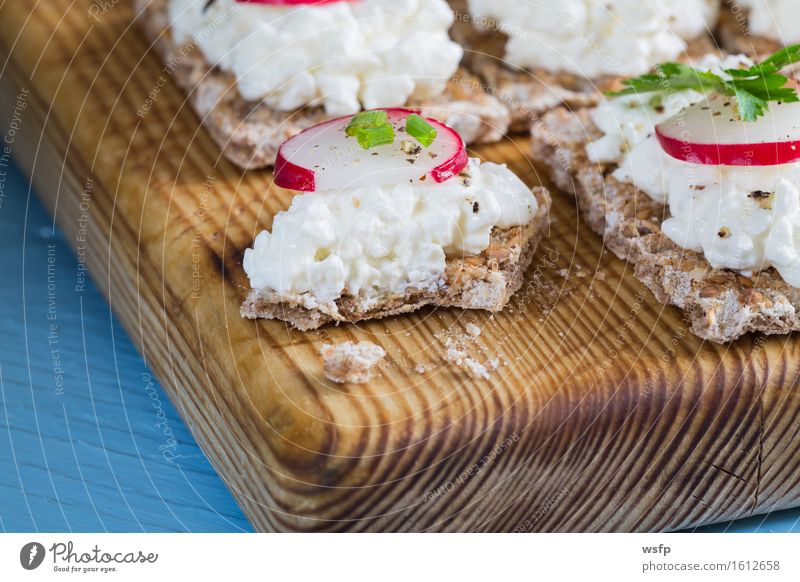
720,304
735,37
250,133
486,282
525,93
530,93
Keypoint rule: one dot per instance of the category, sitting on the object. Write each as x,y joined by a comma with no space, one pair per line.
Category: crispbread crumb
424,368
469,365
351,363
473,330
456,355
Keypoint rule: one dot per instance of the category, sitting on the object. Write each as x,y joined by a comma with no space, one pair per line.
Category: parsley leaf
753,88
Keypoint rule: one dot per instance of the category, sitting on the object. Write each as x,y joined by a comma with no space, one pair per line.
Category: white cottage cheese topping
343,55
387,238
742,218
775,19
745,218
593,38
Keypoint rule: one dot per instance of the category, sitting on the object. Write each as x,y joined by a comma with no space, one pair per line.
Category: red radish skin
760,154
293,177
710,133
323,157
452,168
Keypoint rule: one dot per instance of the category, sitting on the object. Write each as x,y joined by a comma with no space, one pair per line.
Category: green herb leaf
371,128
780,60
420,130
753,88
369,137
366,119
750,106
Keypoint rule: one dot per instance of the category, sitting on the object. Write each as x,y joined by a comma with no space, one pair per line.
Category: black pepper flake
208,5
409,148
476,208
411,161
660,109
724,232
433,155
763,199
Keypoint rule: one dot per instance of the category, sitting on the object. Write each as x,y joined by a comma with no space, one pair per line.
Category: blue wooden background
108,452
88,440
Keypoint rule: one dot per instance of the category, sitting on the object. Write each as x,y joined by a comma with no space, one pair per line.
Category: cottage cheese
745,218
775,19
380,240
742,218
343,55
592,38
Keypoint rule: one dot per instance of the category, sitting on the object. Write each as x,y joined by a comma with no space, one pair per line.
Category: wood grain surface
605,413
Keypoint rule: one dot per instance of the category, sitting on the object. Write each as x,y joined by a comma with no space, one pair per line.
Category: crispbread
250,133
720,304
486,282
735,36
527,94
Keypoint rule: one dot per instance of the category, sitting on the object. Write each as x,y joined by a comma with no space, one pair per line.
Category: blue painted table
88,440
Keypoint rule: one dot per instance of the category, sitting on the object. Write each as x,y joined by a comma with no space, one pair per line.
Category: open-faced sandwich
260,71
390,215
759,28
537,55
694,175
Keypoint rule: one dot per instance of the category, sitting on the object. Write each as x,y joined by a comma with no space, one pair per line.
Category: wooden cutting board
605,414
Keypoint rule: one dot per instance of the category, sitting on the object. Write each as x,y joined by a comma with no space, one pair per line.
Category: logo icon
31,555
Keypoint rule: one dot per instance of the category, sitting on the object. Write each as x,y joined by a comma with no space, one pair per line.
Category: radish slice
710,132
323,157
